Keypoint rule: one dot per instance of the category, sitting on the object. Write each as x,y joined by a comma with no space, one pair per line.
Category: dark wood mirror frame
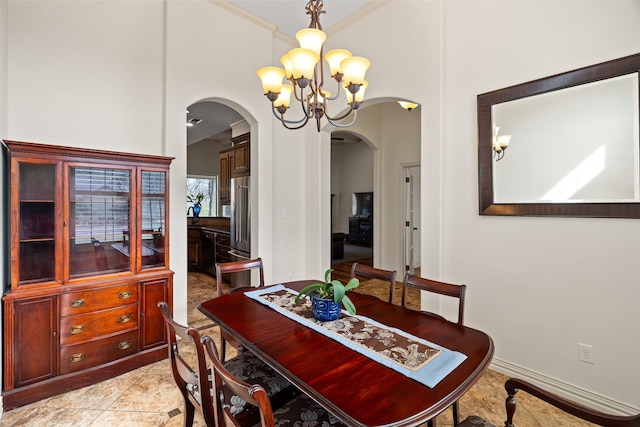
605,70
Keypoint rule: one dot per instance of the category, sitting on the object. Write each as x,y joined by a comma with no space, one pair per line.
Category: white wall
538,286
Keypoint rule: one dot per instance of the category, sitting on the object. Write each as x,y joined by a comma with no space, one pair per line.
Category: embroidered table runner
412,356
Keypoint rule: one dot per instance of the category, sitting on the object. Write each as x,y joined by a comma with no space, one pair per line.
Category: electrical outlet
586,353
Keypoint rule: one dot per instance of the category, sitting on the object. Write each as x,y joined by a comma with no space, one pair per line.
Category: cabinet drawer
85,327
88,301
223,239
82,356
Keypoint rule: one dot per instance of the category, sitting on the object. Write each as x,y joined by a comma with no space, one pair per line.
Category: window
207,185
99,204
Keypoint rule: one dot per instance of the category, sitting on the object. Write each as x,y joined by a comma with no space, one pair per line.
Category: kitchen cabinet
223,246
89,257
241,156
234,162
208,251
194,249
215,248
226,160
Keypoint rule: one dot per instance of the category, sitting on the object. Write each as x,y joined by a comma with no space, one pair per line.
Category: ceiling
287,16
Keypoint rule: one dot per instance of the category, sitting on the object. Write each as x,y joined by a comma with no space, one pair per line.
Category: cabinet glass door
36,223
99,220
153,218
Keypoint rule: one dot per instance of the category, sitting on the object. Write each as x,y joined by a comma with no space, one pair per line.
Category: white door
412,218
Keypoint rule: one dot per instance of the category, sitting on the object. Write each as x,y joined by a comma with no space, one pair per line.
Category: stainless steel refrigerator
240,226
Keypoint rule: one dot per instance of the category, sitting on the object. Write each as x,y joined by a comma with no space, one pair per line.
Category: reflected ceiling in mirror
574,148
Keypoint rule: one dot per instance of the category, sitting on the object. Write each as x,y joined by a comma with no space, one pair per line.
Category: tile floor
148,396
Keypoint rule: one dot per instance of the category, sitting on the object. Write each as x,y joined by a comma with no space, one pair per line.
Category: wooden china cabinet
89,262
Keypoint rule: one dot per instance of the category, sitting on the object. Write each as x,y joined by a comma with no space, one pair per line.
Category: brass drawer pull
76,329
124,295
124,345
124,319
77,303
77,357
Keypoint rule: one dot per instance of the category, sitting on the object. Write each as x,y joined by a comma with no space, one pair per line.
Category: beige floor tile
97,396
131,419
152,393
58,417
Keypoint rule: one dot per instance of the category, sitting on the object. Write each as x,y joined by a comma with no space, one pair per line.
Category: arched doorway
352,195
218,158
394,137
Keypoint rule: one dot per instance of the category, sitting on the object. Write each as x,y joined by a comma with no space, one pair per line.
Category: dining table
357,388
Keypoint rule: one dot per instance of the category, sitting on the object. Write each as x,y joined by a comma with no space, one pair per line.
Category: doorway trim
410,224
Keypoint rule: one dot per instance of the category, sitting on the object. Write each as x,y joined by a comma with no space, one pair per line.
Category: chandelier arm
303,124
295,94
306,105
340,125
337,95
283,120
351,108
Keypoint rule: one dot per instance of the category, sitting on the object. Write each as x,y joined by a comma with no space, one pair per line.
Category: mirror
574,148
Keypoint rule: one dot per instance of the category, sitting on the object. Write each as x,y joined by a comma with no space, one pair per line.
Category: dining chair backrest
362,270
441,288
193,383
237,267
100,255
513,385
255,394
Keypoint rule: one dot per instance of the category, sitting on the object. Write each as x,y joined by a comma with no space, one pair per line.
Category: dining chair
440,288
513,385
298,411
195,383
233,268
362,270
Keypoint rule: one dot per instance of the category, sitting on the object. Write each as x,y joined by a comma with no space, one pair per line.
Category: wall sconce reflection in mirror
591,118
500,143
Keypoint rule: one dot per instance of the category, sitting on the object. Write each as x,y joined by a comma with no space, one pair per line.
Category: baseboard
568,391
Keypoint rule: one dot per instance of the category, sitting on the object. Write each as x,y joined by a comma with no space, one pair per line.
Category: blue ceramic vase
196,210
325,309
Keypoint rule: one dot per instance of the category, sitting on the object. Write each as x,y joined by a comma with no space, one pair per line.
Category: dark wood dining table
357,389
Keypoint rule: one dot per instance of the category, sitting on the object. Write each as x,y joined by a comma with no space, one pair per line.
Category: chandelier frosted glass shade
334,58
312,39
271,78
354,69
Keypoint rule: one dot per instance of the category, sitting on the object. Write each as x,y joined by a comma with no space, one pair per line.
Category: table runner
414,357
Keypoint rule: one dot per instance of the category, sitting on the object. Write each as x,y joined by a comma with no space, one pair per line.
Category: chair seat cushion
303,411
250,369
474,421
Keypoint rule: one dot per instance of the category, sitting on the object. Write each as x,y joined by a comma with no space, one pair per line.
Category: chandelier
304,69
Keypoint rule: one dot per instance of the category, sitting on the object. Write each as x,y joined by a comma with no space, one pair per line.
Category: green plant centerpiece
328,297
